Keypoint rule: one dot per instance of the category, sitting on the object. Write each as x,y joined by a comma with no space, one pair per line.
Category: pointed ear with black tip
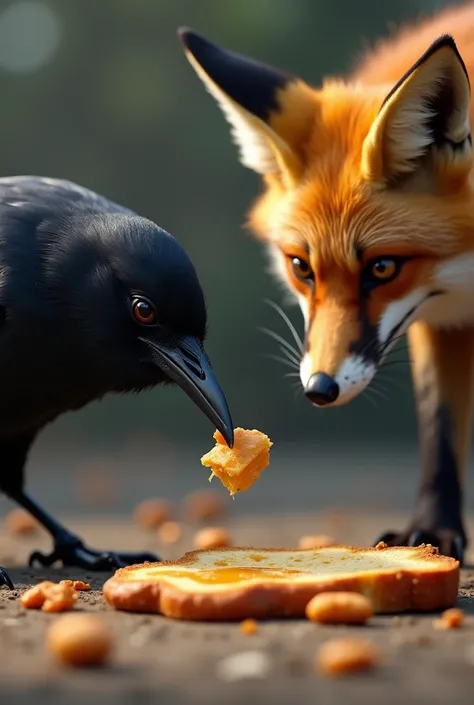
269,110
424,122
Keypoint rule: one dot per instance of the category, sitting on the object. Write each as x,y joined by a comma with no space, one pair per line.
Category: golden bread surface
239,467
246,582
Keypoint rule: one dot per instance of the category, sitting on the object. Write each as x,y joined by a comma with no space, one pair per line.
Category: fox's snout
341,353
322,389
351,377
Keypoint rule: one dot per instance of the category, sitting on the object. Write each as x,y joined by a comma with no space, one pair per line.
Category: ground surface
181,663
157,660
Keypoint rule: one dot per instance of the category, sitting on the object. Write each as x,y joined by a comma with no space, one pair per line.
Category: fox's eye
301,268
143,311
380,271
384,268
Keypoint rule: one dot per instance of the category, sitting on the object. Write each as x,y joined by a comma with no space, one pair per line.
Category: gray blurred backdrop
99,92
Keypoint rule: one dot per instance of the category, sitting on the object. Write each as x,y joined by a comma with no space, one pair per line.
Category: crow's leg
442,365
5,578
68,548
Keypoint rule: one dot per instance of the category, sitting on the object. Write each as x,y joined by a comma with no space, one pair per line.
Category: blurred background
101,93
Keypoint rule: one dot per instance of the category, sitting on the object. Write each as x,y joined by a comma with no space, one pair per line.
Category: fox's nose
322,389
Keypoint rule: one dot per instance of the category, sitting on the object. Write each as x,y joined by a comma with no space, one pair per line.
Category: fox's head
365,206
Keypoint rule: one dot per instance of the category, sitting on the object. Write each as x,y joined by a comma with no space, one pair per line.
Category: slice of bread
238,583
240,466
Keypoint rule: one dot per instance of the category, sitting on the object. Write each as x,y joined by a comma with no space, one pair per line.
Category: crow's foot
5,578
70,551
449,543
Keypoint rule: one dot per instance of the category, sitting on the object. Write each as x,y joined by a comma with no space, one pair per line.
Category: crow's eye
143,311
301,268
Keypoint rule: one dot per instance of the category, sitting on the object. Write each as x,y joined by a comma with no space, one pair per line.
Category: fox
367,212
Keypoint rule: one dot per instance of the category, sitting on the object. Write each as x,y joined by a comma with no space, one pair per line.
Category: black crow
94,299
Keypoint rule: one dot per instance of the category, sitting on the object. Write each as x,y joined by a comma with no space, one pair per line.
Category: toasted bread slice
239,467
237,583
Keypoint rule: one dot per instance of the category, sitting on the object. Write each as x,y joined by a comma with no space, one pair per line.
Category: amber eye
383,268
301,268
143,312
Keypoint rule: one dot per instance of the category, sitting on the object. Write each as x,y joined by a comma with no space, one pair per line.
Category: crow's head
133,313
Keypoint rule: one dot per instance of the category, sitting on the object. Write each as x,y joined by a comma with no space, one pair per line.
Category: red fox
368,213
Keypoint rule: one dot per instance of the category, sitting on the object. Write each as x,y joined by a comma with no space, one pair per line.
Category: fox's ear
269,110
425,115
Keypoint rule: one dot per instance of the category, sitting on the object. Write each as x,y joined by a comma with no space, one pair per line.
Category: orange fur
358,175
332,210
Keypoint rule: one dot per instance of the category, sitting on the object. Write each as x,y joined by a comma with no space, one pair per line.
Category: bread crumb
20,522
245,665
339,608
450,619
240,466
204,505
338,657
170,532
80,640
50,597
249,627
76,584
152,513
316,541
97,484
211,537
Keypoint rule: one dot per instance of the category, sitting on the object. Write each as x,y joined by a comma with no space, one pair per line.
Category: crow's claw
5,578
72,552
450,543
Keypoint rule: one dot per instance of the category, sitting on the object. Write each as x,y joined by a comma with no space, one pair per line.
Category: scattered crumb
381,545
344,656
337,520
424,640
152,513
248,627
80,640
97,483
50,597
316,541
20,522
211,537
205,505
339,608
170,532
450,619
33,599
248,664
76,584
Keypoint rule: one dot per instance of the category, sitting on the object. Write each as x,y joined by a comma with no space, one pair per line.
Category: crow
94,300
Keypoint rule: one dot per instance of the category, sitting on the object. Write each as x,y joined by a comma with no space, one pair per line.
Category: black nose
322,389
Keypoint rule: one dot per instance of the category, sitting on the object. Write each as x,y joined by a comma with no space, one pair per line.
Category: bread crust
434,586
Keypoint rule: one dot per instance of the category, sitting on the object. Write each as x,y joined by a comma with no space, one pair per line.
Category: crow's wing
55,195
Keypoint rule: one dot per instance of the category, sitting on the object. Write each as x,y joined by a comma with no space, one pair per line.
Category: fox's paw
449,543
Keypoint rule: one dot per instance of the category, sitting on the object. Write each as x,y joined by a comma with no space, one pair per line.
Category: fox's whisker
365,395
283,360
289,356
290,325
281,340
379,392
396,383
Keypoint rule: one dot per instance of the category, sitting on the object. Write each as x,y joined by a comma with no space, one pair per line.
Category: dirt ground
177,662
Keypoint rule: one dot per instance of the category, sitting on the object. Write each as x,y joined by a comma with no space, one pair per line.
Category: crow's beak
186,363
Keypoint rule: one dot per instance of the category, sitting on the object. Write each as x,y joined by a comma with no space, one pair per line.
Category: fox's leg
443,372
